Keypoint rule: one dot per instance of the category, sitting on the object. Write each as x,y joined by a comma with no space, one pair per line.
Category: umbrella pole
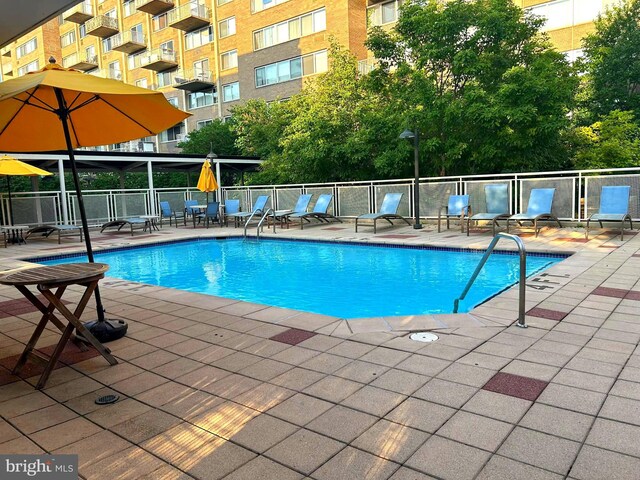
102,329
10,204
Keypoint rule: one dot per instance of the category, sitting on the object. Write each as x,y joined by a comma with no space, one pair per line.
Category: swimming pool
338,279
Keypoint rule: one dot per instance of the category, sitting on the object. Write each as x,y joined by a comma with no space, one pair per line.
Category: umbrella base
107,330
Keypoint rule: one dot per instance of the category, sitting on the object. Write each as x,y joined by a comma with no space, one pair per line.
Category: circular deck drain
106,399
425,337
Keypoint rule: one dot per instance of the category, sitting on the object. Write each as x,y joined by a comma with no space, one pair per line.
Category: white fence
577,196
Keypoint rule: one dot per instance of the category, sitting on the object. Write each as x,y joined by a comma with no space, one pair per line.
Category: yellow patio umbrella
61,109
207,181
12,166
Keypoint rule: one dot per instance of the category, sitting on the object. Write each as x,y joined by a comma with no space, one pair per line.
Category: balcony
102,26
80,62
193,80
134,146
367,65
79,14
154,7
129,42
189,17
158,60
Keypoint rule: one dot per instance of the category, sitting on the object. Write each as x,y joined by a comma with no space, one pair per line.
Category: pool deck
212,388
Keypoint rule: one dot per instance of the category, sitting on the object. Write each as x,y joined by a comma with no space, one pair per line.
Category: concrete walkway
213,388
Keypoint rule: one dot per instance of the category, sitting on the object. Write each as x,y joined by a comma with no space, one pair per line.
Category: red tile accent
526,235
610,292
612,247
626,232
451,236
515,386
574,240
6,377
11,308
546,313
397,236
633,295
335,228
70,355
636,255
293,336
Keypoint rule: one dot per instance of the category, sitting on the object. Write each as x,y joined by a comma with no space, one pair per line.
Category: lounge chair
258,207
60,230
301,207
319,212
538,208
614,207
231,207
189,211
211,214
457,207
388,210
167,212
497,199
132,223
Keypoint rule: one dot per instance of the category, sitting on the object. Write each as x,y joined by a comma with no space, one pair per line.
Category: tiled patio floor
211,388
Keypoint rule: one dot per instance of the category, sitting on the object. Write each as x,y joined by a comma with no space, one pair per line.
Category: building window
203,123
204,98
29,67
290,29
291,69
223,2
114,70
230,92
90,53
160,22
199,37
383,13
565,13
128,7
165,79
112,14
227,27
133,60
68,38
229,60
259,5
174,134
142,83
107,44
83,31
137,33
27,47
201,69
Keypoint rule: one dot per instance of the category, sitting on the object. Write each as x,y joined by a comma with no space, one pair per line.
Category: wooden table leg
53,359
74,318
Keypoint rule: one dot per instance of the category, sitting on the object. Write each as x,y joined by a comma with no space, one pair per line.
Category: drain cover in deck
106,399
425,337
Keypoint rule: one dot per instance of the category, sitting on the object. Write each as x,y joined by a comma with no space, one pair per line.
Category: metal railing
577,194
521,283
265,216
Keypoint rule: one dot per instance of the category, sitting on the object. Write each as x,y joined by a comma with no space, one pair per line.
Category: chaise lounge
538,209
497,200
319,212
388,211
614,207
61,231
133,223
457,207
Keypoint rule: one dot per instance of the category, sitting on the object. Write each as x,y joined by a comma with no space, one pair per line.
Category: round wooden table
58,278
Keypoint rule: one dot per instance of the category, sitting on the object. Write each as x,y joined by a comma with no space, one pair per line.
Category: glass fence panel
317,191
434,195
130,204
34,210
286,198
405,204
593,186
478,197
254,194
354,200
175,199
96,207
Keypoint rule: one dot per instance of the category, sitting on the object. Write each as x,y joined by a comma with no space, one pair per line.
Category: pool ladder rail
523,274
259,228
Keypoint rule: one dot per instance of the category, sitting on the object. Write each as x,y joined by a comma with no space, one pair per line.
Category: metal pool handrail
523,274
264,216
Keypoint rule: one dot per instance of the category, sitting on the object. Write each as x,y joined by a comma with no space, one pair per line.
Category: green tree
485,89
218,135
611,63
612,142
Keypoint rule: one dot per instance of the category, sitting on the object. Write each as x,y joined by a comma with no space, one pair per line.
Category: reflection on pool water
338,279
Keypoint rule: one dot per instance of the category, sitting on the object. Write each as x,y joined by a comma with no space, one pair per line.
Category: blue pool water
338,279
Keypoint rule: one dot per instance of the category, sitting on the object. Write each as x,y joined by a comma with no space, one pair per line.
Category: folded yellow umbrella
12,166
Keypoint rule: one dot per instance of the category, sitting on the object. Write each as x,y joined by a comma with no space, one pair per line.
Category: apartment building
206,56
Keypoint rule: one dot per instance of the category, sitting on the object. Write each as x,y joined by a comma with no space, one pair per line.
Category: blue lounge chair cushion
614,202
457,204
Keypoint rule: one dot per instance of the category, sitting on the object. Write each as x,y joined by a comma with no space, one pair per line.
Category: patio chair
60,230
497,199
319,212
258,207
538,208
614,207
211,214
132,223
456,207
301,207
189,211
231,207
167,212
388,210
